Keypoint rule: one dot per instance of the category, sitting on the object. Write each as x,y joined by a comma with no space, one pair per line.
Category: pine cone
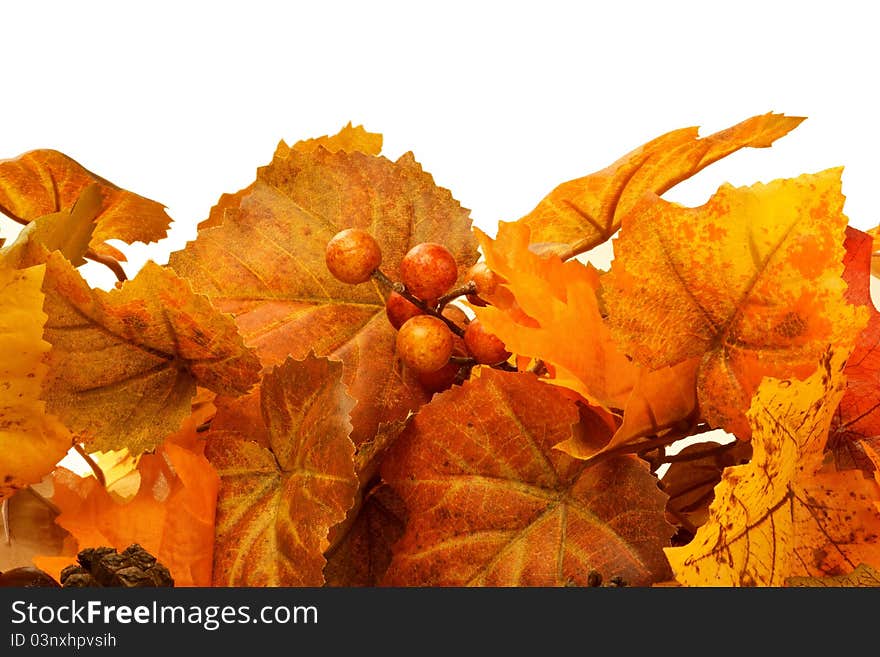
103,566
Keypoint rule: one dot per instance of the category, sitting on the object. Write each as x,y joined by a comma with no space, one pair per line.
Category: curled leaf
42,182
582,213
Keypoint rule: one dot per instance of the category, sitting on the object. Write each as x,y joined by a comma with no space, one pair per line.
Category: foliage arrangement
342,382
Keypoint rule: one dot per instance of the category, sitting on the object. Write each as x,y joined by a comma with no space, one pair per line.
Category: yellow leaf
786,513
31,441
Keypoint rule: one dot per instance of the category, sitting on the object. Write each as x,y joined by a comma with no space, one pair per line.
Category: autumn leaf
786,513
31,440
42,182
750,283
565,328
265,265
124,364
351,139
172,514
858,417
582,213
277,504
491,502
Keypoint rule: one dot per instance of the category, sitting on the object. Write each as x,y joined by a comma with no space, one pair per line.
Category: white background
181,102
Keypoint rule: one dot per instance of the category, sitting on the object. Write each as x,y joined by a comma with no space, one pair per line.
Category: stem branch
96,469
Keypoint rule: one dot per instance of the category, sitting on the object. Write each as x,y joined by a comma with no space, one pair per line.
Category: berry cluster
435,338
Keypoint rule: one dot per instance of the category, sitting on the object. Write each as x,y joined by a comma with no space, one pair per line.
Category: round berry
424,343
439,380
455,315
399,309
352,255
428,270
485,348
485,281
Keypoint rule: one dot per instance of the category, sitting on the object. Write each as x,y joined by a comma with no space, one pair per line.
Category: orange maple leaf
490,501
265,264
555,316
750,283
788,512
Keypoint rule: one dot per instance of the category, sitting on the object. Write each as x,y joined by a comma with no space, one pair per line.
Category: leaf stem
111,263
96,469
469,288
4,511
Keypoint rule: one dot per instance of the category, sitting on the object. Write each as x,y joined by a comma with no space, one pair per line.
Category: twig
96,469
470,288
111,263
400,288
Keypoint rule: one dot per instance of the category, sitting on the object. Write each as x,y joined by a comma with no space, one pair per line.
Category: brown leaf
265,265
580,214
124,364
692,476
277,504
492,503
32,528
42,182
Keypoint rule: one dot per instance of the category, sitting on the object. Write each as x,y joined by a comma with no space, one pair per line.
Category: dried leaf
580,214
491,502
124,364
691,479
277,504
786,513
750,283
265,265
42,182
